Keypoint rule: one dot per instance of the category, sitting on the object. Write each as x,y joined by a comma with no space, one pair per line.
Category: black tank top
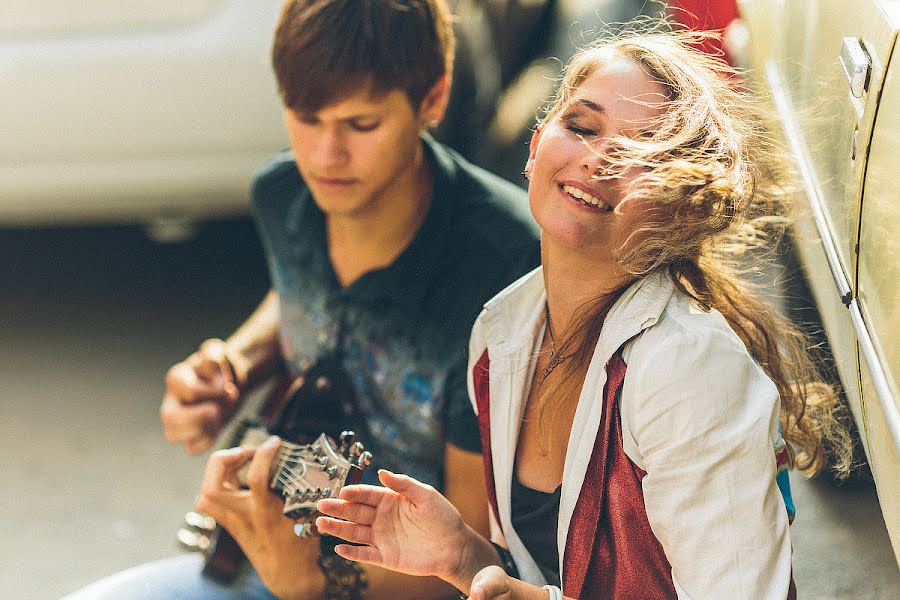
534,517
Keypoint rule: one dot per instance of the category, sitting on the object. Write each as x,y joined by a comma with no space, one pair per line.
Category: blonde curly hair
715,180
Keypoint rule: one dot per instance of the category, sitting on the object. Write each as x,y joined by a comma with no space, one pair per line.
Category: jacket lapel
512,323
589,508
639,307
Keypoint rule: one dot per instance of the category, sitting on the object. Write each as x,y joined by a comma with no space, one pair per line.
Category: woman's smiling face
571,204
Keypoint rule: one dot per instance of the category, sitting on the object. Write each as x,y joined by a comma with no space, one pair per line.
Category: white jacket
698,415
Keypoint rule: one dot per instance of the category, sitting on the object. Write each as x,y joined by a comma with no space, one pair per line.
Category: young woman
630,392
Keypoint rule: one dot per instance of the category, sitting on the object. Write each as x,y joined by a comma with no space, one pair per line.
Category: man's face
353,152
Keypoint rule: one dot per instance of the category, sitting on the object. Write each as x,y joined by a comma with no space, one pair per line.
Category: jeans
177,578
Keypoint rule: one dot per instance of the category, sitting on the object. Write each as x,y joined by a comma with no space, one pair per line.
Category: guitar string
284,481
289,453
292,474
287,474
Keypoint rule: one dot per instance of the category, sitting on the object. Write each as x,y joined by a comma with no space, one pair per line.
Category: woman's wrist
477,553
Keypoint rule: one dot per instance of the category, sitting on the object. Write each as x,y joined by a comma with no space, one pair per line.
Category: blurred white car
832,68
160,111
155,111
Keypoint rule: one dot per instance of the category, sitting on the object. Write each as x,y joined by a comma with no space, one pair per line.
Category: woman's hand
406,526
492,583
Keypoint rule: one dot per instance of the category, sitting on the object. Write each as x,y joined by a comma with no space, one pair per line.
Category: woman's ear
434,104
532,150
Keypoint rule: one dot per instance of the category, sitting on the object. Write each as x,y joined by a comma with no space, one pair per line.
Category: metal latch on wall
857,65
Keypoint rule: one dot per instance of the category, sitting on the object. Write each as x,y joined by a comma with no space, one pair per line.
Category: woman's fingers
347,511
351,532
370,495
411,489
490,583
366,554
406,486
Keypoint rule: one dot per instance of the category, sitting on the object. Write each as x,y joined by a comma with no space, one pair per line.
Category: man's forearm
253,349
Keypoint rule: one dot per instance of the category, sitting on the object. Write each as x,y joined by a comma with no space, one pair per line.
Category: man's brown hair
326,49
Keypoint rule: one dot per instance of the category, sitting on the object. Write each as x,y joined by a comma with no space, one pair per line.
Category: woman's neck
573,280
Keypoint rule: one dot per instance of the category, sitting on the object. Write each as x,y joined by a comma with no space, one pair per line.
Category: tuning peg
364,460
200,521
302,530
346,440
356,450
332,471
193,541
326,492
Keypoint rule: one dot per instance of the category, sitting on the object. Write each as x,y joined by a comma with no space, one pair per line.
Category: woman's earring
526,174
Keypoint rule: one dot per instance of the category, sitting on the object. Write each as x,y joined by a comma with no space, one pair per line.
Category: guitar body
320,401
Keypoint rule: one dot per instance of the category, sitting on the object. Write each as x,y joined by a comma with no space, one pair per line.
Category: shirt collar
404,282
512,319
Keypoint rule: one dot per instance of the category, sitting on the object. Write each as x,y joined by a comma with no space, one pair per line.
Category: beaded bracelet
344,579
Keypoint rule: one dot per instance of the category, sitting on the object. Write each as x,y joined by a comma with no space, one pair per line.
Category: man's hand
201,395
287,564
407,527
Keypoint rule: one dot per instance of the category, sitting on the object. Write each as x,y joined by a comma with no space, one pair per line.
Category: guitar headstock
305,473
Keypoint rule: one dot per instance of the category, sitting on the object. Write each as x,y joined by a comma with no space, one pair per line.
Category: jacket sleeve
705,419
477,346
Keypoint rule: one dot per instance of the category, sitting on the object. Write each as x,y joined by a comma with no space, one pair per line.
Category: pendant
552,364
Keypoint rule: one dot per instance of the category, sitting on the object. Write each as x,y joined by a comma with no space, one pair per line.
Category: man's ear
532,150
434,104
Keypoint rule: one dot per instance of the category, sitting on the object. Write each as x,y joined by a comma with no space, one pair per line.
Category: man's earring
526,174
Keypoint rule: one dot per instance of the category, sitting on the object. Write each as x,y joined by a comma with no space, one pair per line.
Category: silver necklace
555,358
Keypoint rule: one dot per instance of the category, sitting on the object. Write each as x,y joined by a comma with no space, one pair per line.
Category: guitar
310,464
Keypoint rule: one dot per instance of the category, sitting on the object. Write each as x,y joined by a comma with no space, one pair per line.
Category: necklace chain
555,358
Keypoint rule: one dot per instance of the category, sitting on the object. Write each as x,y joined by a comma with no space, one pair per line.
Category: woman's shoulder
685,324
691,362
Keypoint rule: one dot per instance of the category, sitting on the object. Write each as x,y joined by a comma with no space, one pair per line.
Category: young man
382,246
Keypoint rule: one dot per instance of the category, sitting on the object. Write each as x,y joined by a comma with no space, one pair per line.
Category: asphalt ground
91,318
